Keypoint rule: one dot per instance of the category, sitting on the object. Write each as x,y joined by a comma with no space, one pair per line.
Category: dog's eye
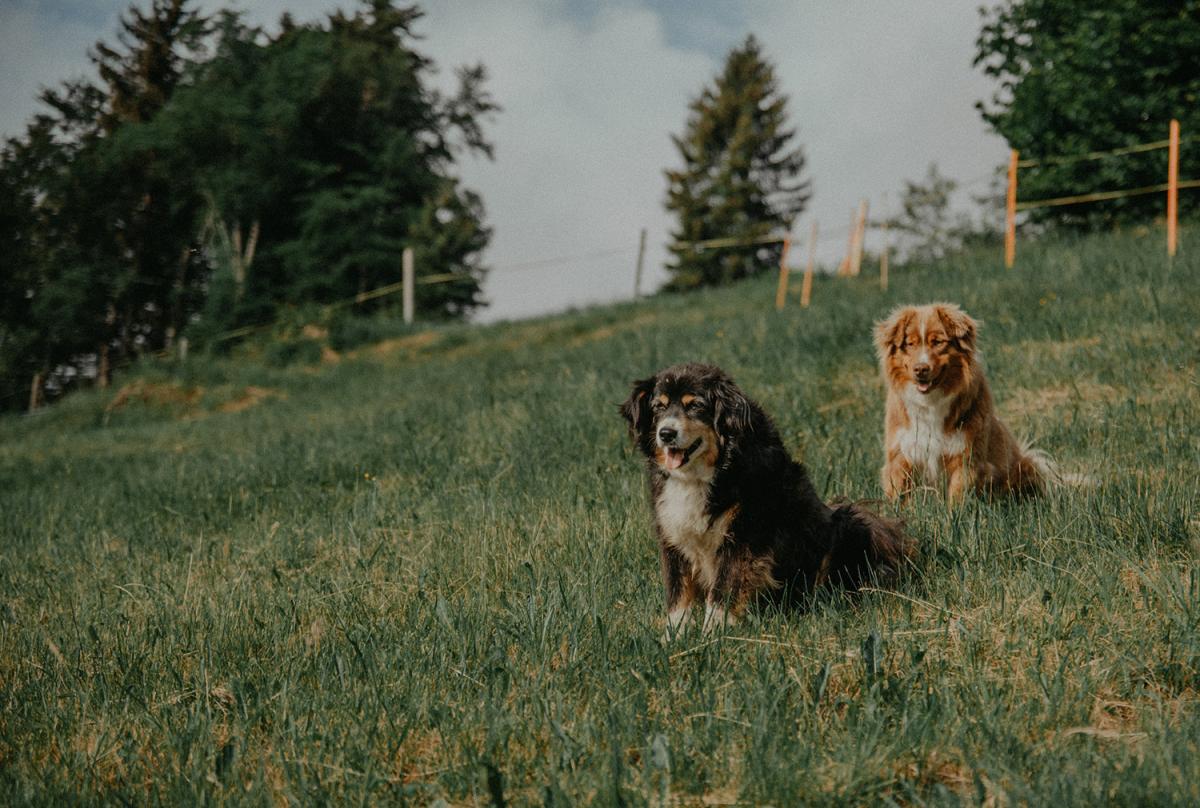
695,405
937,341
657,405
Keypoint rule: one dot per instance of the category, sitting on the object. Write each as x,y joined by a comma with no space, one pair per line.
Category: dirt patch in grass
410,344
418,756
155,394
252,396
938,768
185,402
1046,349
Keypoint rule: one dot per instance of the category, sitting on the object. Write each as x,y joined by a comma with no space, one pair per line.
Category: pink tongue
674,458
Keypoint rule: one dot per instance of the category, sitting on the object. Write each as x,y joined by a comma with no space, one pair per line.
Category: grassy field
424,572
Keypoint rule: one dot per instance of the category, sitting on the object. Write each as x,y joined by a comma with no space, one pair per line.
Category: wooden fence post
844,267
883,259
1010,212
860,237
781,291
637,277
409,281
806,289
1172,187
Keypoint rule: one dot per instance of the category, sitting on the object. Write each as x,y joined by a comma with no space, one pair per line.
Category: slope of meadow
425,572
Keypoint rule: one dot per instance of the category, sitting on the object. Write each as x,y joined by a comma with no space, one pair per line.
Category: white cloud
581,144
879,91
38,49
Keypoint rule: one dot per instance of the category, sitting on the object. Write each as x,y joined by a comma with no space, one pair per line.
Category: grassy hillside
425,571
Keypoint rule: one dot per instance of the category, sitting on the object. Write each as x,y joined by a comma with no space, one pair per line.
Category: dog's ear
958,324
731,408
889,333
636,408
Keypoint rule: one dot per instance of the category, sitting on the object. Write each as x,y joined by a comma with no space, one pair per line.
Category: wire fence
856,230
1171,187
1101,196
1153,145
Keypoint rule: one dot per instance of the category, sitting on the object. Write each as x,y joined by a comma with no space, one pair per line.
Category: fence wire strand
1100,196
1101,155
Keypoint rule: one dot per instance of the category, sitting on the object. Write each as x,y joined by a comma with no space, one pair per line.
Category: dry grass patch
155,394
1023,402
938,768
410,344
1045,349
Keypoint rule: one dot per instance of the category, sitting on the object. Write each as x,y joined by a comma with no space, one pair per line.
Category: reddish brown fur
975,450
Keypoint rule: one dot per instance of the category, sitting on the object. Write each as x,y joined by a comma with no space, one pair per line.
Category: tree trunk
102,369
241,257
125,331
175,318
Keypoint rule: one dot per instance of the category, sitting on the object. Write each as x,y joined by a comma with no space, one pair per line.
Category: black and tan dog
738,519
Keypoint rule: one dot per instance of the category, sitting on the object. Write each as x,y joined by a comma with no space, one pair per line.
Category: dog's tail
866,547
1040,473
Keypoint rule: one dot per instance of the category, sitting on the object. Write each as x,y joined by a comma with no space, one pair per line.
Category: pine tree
148,204
213,176
140,78
740,180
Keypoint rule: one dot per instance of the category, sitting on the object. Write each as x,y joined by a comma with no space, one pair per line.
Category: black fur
780,525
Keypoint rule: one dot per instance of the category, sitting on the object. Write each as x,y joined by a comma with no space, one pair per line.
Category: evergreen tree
154,47
216,175
325,147
1077,77
51,302
150,208
449,235
740,179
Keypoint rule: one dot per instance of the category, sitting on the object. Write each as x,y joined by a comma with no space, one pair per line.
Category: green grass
425,572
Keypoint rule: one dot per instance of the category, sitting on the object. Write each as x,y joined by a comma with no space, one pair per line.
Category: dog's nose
921,370
667,434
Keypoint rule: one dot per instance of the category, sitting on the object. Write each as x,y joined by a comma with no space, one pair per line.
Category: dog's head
683,417
928,347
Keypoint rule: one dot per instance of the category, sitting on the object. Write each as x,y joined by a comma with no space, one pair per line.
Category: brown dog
940,416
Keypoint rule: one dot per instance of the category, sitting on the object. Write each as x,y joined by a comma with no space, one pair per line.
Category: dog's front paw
678,622
717,617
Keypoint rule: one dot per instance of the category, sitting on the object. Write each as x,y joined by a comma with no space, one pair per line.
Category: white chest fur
685,525
925,441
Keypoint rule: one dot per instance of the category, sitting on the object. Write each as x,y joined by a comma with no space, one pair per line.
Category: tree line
211,174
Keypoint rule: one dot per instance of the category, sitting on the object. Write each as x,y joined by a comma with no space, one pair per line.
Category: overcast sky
592,91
